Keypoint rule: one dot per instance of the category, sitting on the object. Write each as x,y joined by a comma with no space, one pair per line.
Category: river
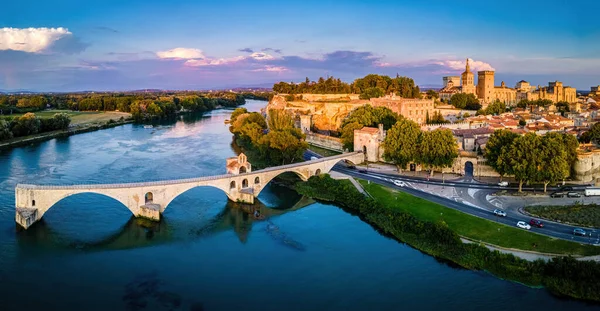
88,253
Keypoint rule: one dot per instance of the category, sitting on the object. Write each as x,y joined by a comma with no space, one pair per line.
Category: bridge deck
180,181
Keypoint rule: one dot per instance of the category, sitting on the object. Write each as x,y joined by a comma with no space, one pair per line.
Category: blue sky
121,45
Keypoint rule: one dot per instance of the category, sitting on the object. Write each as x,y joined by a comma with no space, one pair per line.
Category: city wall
324,141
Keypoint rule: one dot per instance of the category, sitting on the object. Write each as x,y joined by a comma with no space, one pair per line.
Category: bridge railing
179,181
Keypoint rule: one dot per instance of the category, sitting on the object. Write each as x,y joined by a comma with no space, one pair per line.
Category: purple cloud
246,50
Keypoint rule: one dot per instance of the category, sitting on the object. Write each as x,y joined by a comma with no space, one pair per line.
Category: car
574,195
536,223
399,183
523,225
313,158
557,194
352,167
579,231
362,170
566,188
499,212
503,183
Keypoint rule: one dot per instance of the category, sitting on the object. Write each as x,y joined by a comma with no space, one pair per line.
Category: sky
70,45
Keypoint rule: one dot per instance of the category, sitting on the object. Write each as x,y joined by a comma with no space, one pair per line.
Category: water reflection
138,232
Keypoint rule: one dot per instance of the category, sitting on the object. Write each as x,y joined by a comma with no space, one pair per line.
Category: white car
399,183
499,212
524,225
313,158
503,183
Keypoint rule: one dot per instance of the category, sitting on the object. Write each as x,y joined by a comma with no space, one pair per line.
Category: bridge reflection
138,232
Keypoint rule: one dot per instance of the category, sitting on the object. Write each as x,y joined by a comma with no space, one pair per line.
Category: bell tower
468,80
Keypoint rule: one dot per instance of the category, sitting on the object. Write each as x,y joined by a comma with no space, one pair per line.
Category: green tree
594,133
522,122
433,94
401,143
525,158
554,164
236,113
366,116
494,108
283,146
571,145
436,118
497,151
26,124
372,92
438,149
279,120
465,101
61,120
5,132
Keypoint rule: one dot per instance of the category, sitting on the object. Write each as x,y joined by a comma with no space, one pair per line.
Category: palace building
487,92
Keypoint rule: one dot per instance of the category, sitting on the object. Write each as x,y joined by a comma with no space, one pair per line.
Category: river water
88,253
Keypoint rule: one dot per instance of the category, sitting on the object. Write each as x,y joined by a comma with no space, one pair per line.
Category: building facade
413,109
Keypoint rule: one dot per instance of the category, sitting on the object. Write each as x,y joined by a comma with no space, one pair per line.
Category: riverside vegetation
564,276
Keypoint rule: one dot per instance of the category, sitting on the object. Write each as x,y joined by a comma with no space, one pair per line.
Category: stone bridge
150,199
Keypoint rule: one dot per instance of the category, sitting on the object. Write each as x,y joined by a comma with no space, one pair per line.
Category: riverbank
77,129
563,276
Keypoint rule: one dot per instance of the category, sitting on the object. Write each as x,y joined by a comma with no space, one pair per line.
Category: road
477,205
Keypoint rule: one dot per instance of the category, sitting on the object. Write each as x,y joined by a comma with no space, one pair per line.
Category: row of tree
274,141
369,86
29,124
406,143
532,158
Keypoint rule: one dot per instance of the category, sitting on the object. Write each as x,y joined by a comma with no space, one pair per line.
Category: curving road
481,207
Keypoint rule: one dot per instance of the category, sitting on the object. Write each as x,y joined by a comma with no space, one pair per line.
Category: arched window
232,185
245,183
242,169
318,172
257,180
149,197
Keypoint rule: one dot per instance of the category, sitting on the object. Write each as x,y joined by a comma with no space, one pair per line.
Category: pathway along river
89,254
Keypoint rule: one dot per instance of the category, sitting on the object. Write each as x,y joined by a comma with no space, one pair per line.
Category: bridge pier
26,216
150,211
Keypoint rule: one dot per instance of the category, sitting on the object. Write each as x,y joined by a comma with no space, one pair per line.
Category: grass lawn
577,214
82,117
476,228
323,152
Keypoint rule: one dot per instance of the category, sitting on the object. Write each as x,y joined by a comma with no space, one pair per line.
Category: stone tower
468,80
485,85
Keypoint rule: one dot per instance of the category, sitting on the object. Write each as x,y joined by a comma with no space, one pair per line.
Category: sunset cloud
31,40
460,65
181,53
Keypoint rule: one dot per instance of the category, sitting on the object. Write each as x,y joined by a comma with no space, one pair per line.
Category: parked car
523,225
499,212
503,183
536,223
313,158
574,195
557,194
362,170
399,183
350,166
566,188
579,231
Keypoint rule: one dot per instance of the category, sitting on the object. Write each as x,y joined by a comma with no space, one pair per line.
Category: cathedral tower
485,85
468,80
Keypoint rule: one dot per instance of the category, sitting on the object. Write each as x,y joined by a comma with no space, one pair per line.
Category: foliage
465,101
372,92
401,143
437,148
522,122
280,144
366,116
524,103
402,86
562,276
5,132
432,94
594,133
496,151
494,108
563,107
330,85
436,118
26,124
554,162
577,214
525,158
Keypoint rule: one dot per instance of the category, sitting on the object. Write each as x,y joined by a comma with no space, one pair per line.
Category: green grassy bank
563,276
587,215
476,228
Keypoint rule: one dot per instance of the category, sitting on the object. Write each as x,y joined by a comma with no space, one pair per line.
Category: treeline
564,276
272,142
532,158
369,86
29,124
465,101
142,106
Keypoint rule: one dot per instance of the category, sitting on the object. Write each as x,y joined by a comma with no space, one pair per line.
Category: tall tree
554,165
525,158
438,149
401,143
496,151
